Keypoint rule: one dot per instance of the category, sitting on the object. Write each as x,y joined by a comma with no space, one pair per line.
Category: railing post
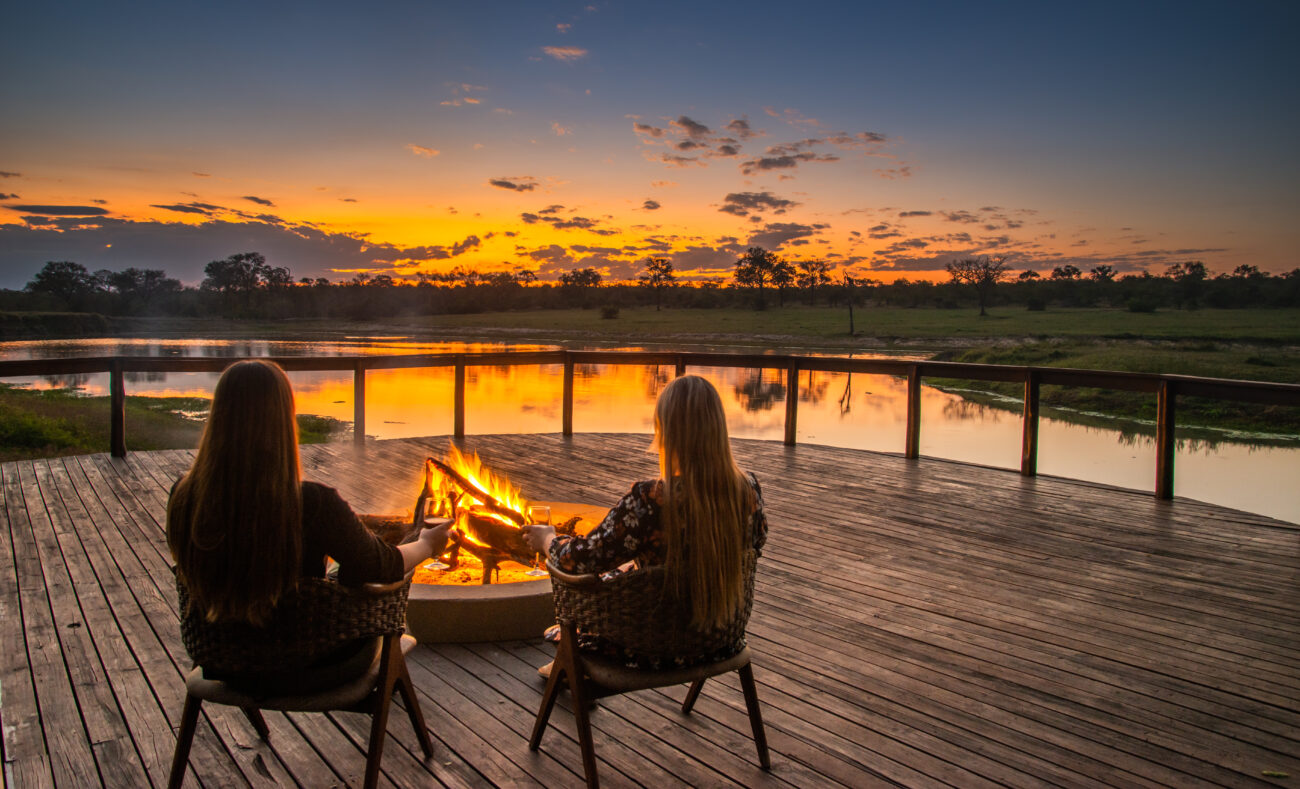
458,420
117,410
1029,446
791,402
359,404
681,368
568,394
1165,408
913,448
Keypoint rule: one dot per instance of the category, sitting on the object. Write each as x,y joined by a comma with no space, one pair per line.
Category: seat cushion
614,676
315,690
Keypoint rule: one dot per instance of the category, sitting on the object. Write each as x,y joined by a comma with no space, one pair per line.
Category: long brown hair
706,501
234,521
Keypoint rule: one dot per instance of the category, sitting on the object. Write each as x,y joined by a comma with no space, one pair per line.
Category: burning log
493,542
486,527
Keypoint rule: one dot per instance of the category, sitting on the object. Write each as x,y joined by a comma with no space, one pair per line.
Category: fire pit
479,590
473,611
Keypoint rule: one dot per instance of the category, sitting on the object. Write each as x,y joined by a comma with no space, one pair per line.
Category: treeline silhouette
246,286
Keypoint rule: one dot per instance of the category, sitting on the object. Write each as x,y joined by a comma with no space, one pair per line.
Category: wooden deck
919,623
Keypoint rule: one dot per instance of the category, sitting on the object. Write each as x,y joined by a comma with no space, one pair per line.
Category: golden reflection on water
859,411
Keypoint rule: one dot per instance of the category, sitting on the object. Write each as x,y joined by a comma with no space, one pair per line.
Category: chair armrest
579,581
376,589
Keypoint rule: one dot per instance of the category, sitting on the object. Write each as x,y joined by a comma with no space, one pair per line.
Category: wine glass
435,563
538,514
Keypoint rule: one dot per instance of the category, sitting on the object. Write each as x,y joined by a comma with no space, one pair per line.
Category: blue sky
885,139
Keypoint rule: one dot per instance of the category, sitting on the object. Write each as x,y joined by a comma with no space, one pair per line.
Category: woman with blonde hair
697,519
243,526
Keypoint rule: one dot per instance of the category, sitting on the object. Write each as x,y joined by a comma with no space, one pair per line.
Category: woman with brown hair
243,526
697,519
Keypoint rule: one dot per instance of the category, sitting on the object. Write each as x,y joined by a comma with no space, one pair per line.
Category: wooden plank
25,759
627,742
147,614
72,762
917,623
736,759
85,624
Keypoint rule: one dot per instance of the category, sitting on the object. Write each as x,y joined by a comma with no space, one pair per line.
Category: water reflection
760,390
855,410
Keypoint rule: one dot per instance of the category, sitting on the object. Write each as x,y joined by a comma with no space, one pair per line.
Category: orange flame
451,499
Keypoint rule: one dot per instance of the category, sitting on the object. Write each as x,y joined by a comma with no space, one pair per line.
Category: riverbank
1196,416
56,422
797,325
1235,344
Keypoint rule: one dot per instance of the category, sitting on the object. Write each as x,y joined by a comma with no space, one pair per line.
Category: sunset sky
889,138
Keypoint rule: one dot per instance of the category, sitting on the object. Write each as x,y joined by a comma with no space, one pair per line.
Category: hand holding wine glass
538,533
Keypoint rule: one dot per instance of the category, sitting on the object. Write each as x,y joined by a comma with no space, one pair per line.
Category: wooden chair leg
392,653
254,716
691,695
184,738
407,691
755,715
548,703
579,693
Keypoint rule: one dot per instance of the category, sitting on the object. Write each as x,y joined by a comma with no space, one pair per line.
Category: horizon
409,138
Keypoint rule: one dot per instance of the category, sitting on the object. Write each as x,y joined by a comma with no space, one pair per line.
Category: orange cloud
565,54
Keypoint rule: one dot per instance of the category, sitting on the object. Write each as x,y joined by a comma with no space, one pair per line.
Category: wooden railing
1166,388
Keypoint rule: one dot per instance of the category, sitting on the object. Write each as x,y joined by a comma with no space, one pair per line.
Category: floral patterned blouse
633,531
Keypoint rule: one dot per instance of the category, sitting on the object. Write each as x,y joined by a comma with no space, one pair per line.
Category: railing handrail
1165,386
1220,388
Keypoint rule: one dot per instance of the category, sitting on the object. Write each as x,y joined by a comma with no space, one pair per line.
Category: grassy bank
793,325
1259,345
879,326
1279,364
56,422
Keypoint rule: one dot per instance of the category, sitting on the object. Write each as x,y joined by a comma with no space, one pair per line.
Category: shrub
1139,304
608,313
1036,304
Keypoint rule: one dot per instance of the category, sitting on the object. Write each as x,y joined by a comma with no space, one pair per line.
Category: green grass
884,325
1198,358
55,422
1261,345
792,325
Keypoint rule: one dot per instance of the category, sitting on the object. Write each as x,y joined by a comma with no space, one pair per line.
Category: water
859,411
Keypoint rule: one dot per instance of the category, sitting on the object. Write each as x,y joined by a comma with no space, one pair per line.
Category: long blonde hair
234,521
707,501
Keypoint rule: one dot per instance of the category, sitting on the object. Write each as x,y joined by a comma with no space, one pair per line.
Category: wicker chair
307,627
633,610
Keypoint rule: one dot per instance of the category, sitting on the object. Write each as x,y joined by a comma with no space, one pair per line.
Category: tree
782,278
1028,275
754,270
1190,277
578,283
849,284
980,273
1103,273
581,278
138,288
1066,272
233,274
658,276
67,281
812,273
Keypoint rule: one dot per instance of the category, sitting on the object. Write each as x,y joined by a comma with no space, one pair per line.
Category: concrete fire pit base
437,613
491,612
